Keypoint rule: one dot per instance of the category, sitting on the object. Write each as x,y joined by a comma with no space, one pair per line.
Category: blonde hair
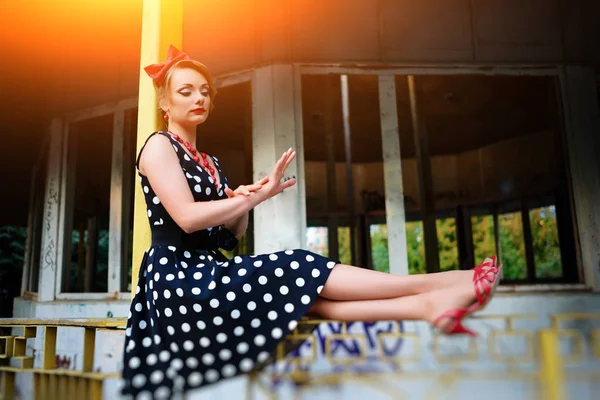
196,66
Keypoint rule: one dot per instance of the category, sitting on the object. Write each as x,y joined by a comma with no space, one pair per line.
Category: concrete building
451,110
400,111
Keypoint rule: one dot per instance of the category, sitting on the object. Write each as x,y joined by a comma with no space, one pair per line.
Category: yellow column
162,22
552,374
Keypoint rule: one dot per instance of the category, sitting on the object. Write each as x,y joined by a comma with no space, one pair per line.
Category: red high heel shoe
456,327
485,281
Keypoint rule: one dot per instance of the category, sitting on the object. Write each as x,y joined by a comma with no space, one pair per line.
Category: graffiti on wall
361,341
49,222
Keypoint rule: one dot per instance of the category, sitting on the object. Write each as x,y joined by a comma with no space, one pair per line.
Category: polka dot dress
198,317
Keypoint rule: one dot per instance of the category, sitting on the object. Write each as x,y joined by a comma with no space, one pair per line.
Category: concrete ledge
70,309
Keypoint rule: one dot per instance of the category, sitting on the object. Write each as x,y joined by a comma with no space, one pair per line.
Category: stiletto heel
485,281
456,327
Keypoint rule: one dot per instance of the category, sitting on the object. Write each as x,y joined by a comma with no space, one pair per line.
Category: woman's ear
163,104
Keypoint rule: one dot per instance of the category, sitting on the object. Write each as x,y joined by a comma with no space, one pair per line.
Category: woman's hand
246,190
274,186
239,225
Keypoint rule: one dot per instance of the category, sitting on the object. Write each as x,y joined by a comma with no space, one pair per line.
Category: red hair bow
158,71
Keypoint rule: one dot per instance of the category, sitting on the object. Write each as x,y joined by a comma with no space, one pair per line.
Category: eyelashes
187,94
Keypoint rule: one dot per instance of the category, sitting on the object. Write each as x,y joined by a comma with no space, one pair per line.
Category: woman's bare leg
352,283
425,306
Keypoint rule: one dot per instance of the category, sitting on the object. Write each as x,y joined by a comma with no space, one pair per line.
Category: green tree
379,248
12,254
344,244
512,246
546,249
415,247
447,244
484,242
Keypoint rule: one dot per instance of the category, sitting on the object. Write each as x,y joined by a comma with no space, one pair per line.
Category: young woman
198,317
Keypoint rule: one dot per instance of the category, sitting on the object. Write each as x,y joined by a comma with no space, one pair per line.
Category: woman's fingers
262,181
288,183
284,166
290,158
230,193
281,165
284,161
253,187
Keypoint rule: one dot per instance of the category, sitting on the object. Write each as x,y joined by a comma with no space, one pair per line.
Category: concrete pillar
280,222
392,173
582,125
116,232
51,252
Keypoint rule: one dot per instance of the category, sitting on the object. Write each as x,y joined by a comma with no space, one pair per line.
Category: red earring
166,117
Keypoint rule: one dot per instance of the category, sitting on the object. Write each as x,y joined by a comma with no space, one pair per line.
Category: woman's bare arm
238,226
159,163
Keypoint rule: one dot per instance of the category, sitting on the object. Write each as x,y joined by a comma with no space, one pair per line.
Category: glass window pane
316,240
379,248
512,246
484,242
90,155
415,244
447,244
344,245
546,249
491,141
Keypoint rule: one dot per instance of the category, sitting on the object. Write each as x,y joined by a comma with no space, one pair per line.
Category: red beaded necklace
194,152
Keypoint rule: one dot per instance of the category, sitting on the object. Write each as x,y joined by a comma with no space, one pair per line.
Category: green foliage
101,277
12,254
546,249
446,231
379,248
100,281
512,245
484,243
415,243
415,247
447,244
344,245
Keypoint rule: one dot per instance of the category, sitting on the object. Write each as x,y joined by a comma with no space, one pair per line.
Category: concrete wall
465,31
523,165
86,64
530,312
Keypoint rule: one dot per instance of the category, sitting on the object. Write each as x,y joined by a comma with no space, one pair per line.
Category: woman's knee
321,307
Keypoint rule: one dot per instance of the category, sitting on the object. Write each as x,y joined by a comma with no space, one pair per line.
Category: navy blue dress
198,317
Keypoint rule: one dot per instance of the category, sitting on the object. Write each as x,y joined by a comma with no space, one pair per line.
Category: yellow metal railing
50,381
543,364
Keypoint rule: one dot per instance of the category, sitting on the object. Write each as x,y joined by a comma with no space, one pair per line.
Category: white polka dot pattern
196,317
